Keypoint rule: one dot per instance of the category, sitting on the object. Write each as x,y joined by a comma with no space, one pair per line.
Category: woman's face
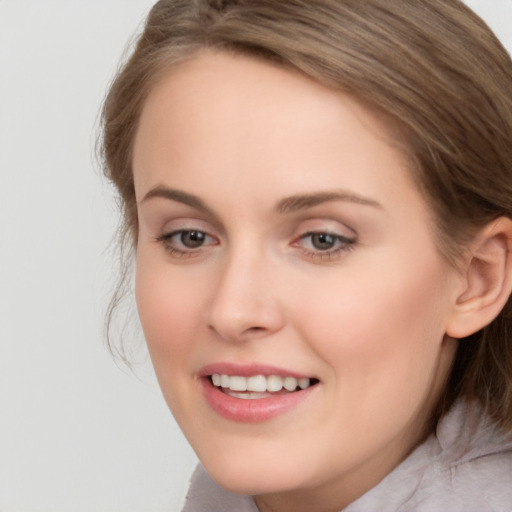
282,242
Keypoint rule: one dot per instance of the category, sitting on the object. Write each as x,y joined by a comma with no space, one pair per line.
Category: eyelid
176,232
344,237
328,225
337,236
342,246
176,248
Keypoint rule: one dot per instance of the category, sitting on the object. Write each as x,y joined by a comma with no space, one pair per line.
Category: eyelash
166,240
344,244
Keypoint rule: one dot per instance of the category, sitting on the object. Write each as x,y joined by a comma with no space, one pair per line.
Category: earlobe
488,280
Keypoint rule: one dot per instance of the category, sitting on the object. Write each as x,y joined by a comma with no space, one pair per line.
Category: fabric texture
465,466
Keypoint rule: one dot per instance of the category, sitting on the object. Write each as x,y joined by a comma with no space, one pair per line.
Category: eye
324,245
322,241
192,239
184,242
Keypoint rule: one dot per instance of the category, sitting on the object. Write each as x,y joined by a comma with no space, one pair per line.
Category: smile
258,386
254,393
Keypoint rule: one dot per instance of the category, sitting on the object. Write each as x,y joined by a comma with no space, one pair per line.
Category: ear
487,276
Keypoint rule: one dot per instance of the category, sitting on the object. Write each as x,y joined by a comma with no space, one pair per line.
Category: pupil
192,239
322,241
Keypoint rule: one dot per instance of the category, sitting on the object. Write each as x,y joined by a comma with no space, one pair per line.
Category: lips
253,393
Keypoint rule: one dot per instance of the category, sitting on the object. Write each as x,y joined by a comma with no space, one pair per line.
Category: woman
319,197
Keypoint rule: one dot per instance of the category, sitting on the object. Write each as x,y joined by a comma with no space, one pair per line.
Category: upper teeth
259,383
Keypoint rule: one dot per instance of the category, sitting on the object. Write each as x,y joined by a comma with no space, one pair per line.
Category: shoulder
483,479
465,466
480,484
472,469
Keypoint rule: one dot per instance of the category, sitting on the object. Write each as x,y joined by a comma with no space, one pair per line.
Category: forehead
218,111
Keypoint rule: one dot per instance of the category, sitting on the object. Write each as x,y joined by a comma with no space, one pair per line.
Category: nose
244,304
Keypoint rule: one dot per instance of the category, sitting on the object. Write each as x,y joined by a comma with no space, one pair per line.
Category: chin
251,485
245,477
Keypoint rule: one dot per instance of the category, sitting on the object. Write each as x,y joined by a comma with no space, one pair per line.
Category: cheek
168,310
379,333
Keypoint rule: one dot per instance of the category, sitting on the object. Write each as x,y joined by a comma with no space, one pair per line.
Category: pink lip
247,370
249,411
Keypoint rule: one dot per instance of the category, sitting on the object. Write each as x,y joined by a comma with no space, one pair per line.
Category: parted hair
432,66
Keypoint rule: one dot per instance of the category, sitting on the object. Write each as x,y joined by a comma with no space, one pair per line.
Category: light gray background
76,433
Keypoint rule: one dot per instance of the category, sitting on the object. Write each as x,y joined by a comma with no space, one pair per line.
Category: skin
367,317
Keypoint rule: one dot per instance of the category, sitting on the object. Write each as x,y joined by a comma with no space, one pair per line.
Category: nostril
254,332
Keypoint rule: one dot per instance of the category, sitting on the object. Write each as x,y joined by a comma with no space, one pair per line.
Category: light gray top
465,466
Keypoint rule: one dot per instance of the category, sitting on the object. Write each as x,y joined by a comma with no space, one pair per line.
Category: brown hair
431,65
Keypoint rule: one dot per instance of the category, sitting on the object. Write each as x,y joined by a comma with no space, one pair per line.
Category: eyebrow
287,205
305,201
179,196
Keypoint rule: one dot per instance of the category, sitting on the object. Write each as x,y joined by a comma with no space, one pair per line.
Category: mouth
254,393
258,387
